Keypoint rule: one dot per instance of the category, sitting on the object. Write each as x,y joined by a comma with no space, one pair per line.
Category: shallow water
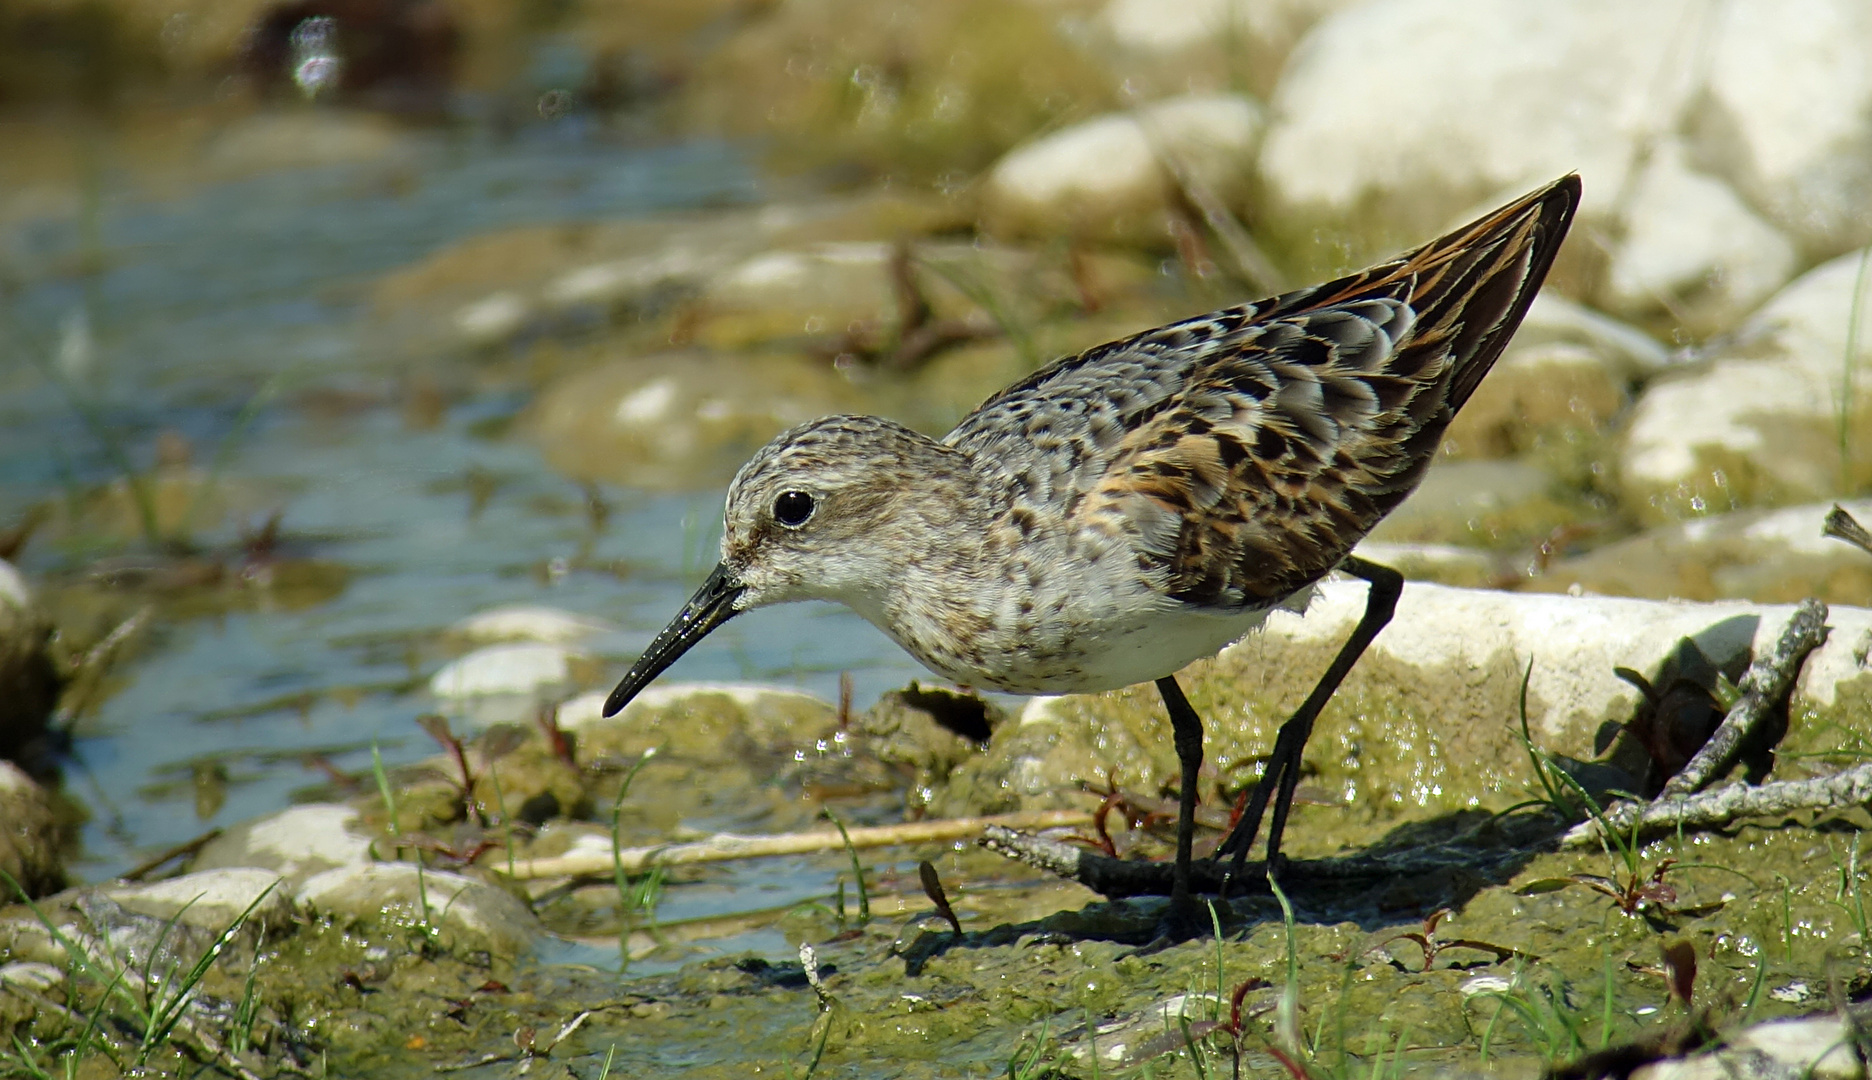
207,295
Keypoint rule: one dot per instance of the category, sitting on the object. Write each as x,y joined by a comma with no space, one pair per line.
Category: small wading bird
1123,512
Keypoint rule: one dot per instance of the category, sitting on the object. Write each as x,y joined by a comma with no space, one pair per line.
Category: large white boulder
1780,415
1394,117
1691,250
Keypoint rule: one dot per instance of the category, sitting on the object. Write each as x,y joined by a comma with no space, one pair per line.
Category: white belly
1138,647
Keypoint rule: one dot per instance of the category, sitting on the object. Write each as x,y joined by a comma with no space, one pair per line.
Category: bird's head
817,514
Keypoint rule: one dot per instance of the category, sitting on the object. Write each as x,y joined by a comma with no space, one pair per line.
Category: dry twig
726,846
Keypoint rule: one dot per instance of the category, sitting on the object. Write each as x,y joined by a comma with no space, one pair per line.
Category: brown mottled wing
1245,452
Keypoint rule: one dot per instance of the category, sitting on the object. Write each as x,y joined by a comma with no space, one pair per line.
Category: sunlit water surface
205,297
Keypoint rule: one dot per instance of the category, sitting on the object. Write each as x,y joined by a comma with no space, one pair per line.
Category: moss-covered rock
1428,722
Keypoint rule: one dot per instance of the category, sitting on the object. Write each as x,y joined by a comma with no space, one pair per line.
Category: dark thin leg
1187,728
1283,767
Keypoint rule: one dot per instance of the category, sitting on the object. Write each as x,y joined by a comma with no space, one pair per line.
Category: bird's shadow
1415,869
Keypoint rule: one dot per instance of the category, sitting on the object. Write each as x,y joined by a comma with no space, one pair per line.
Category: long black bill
712,605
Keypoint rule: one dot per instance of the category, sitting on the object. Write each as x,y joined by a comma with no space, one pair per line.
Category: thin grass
155,1005
1030,1069
1849,362
629,899
864,894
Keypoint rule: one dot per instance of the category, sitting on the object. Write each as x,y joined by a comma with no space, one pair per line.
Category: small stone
210,899
29,834
31,975
466,913
529,622
530,668
294,843
1105,179
679,420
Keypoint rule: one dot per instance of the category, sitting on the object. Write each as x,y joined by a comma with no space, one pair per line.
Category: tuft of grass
864,894
1031,1069
636,896
153,1005
388,794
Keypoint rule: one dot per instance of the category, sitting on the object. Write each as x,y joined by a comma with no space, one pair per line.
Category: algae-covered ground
1522,960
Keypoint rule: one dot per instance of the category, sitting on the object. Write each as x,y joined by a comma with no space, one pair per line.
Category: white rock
529,668
1574,642
1415,110
294,843
1812,1047
1783,115
468,913
1692,249
1105,179
14,591
753,698
620,280
529,622
1761,422
1822,1047
492,318
1631,352
583,710
31,975
210,899
1765,555
1500,97
1208,44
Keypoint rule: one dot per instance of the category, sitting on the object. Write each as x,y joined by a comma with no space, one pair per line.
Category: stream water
199,301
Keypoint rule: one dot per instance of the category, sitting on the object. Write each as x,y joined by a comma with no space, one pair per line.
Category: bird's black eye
792,508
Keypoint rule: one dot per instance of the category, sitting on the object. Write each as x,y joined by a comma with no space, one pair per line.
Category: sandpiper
1125,511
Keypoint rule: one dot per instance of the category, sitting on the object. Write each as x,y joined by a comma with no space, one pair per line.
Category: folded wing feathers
1300,422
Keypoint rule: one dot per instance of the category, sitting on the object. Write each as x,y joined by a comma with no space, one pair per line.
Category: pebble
210,899
468,914
1104,178
529,622
294,843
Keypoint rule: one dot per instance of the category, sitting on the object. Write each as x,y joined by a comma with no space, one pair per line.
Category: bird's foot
1195,917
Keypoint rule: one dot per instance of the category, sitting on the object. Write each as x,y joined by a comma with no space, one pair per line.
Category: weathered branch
1765,691
726,846
1841,525
1853,787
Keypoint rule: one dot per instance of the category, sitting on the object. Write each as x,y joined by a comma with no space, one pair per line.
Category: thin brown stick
187,847
724,847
